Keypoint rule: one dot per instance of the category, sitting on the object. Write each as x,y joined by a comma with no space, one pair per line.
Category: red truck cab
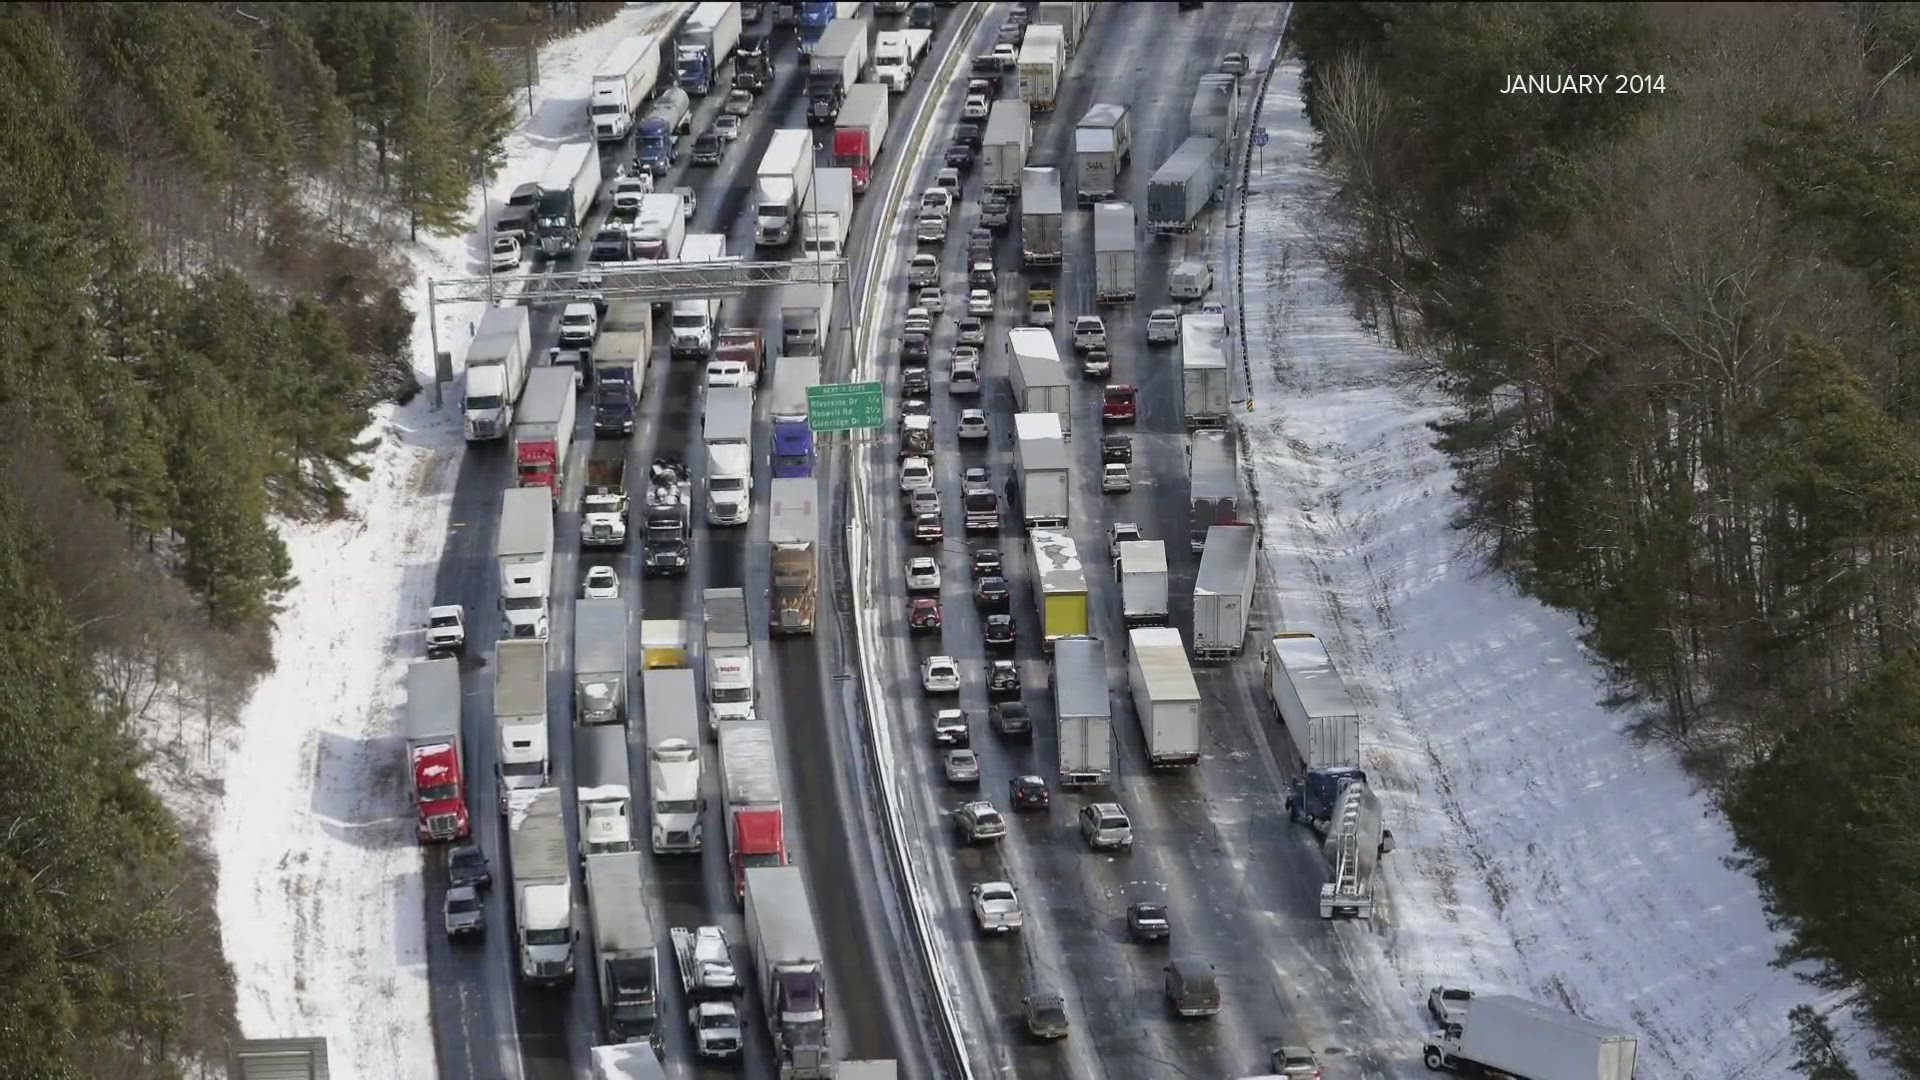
441,793
759,840
746,345
1118,403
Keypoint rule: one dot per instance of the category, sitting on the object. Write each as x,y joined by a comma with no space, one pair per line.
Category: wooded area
200,208
1678,331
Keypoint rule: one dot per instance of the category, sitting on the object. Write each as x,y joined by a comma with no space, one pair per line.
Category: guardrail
859,568
1237,203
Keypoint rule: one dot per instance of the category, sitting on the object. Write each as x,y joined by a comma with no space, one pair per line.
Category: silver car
464,914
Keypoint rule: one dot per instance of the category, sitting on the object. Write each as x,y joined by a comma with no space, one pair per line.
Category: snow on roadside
320,878
1541,851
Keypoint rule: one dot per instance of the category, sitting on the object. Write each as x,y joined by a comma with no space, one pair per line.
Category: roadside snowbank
1541,851
320,884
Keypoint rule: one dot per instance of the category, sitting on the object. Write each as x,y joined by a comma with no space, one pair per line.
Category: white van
1190,281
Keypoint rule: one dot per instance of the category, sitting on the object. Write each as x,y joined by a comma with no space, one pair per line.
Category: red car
924,613
1028,793
1117,404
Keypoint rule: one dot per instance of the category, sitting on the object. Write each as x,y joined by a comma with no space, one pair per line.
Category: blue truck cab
814,20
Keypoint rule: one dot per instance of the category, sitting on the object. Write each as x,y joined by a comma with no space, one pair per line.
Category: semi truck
1223,591
544,933
1040,470
729,656
524,551
1040,218
568,190
1312,702
1038,378
497,362
669,117
660,232
824,224
603,795
673,759
1143,583
599,662
861,131
792,452
752,65
1181,188
628,1061
436,762
750,785
897,55
1205,392
626,946
1165,697
706,40
1042,58
791,970
1083,711
1063,586
781,185
1069,15
793,530
543,431
747,345
1215,105
806,311
621,86
1114,244
521,760
727,434
1213,484
693,322
667,516
603,502
1510,1035
1004,146
834,66
1102,145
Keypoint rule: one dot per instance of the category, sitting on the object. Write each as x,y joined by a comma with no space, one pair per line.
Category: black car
1003,677
610,245
991,592
1028,793
1148,921
960,156
709,149
1011,719
921,17
915,347
914,380
998,631
467,865
969,133
986,563
1116,450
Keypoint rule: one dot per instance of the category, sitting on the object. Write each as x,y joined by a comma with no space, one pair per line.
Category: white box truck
791,970
1312,702
1223,591
603,792
626,947
1182,187
1005,144
673,758
660,232
729,656
497,362
1165,697
1042,58
1083,711
781,186
544,933
897,55
521,758
1102,145
599,662
621,86
1216,104
1114,245
1143,582
693,322
806,313
1038,378
1205,391
1040,470
727,434
828,216
524,550
1213,484
1510,1035
1041,235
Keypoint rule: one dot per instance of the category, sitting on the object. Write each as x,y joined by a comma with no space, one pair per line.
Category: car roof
1192,967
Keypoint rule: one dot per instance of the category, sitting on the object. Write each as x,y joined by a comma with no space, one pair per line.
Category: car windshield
1049,1013
461,905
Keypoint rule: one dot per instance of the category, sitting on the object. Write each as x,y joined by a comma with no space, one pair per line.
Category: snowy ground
320,878
1541,852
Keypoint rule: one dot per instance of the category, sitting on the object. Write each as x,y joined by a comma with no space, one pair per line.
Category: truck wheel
1435,1059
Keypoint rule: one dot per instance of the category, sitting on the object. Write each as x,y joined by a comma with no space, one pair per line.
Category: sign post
1260,141
859,406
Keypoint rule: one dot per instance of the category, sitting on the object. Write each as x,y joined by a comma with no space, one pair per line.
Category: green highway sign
856,406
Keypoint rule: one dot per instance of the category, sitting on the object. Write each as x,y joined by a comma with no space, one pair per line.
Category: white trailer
1215,106
1005,144
1069,15
791,971
1205,390
1182,187
1143,582
521,761
897,55
1042,58
1040,468
673,759
1223,591
568,190
806,314
497,363
542,870
828,216
621,86
625,946
781,186
1082,711
660,232
1102,145
1041,235
691,322
729,656
628,1061
1038,378
599,662
603,789
727,436
524,551
1114,245
1165,697
1520,1038
1312,702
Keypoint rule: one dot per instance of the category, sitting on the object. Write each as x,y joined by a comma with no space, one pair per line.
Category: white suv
916,474
1104,826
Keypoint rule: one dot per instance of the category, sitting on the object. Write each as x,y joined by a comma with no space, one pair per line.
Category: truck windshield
560,936
727,483
523,603
609,108
479,402
523,770
446,792
730,696
677,806
693,321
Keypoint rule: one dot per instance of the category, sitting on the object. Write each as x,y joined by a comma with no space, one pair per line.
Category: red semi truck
860,131
436,774
543,429
750,780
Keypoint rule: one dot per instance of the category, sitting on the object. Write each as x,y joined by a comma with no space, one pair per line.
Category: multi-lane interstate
1212,842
